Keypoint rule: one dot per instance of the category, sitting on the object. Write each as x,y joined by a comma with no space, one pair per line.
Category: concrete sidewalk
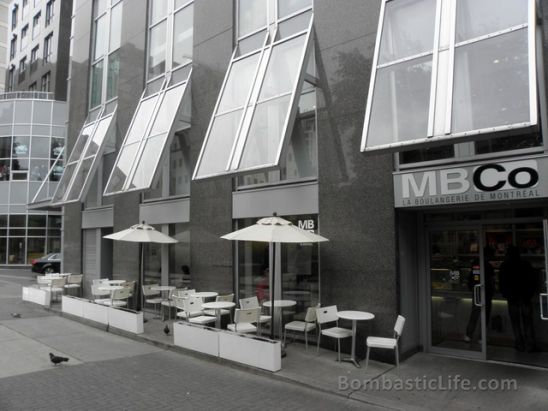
416,387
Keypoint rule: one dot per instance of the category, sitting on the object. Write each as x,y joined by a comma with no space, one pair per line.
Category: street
106,371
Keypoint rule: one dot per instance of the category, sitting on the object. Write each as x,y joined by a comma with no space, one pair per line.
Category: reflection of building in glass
32,132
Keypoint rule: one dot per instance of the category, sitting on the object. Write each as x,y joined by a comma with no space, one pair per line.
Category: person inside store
518,284
475,279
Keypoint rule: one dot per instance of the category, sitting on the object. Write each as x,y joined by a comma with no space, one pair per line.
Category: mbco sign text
494,181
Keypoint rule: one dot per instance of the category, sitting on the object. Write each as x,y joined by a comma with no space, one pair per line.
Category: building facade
39,34
207,115
4,17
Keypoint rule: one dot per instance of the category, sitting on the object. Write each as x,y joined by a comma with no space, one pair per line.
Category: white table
110,288
116,282
163,289
205,294
354,316
218,306
279,305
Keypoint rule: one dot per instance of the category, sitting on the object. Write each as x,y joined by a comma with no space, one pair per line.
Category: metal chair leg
285,334
397,359
306,339
339,348
367,358
318,346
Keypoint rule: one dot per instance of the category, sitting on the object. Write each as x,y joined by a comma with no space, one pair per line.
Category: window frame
448,137
233,166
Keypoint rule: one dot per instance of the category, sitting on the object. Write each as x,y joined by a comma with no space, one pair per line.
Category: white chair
225,298
329,315
305,326
170,302
74,282
99,295
253,302
152,297
193,311
118,298
54,285
387,343
244,320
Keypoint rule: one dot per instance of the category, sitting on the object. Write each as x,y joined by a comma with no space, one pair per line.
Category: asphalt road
106,371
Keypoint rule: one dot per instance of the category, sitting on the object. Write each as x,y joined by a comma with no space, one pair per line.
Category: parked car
50,263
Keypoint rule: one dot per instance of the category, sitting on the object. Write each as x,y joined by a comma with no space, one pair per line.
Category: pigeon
166,330
56,359
16,315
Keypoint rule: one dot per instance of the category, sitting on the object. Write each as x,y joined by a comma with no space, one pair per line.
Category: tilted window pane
283,68
219,143
101,27
64,183
239,82
479,17
80,143
80,179
115,26
96,84
182,36
251,43
295,24
400,102
157,50
167,110
113,72
265,133
123,166
251,16
98,137
286,7
491,86
99,6
144,172
408,29
158,10
141,119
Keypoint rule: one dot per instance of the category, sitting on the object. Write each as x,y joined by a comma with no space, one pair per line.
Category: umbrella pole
140,282
273,291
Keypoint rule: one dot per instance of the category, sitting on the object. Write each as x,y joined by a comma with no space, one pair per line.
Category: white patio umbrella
274,230
141,233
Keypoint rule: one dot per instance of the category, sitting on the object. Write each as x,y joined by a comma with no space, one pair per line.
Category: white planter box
250,350
95,312
36,295
73,306
126,320
196,337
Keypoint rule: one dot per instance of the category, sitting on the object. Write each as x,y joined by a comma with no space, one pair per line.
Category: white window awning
157,117
450,71
257,104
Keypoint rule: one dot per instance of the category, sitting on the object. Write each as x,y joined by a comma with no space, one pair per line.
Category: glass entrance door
517,327
457,291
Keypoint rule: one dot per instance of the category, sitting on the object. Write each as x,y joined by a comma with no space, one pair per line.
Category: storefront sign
488,181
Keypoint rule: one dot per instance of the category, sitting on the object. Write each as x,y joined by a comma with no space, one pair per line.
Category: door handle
477,295
542,313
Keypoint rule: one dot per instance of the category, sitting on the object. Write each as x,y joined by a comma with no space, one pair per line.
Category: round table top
205,294
109,287
280,303
218,305
162,288
355,315
116,282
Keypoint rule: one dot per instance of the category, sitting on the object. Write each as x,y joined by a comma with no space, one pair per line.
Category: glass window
287,7
251,16
182,36
49,12
489,79
252,136
157,50
101,29
36,26
158,10
476,18
115,26
40,147
145,141
96,84
179,256
491,85
5,147
82,161
113,73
